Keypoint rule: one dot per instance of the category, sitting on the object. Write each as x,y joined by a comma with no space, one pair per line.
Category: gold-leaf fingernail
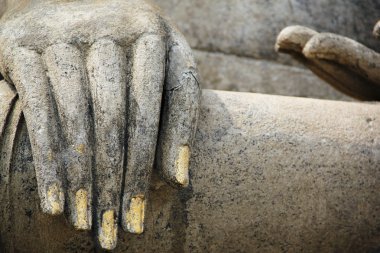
108,231
182,166
55,200
81,205
81,148
135,215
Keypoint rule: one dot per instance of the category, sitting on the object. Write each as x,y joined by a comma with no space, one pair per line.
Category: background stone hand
344,63
107,87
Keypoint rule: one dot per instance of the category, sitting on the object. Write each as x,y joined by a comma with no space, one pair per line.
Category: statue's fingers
107,72
67,76
344,79
293,39
346,52
9,97
28,75
181,102
145,95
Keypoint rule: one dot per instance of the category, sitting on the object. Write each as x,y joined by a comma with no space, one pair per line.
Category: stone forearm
269,174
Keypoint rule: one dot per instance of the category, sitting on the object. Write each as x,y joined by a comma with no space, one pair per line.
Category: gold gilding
50,156
182,166
55,199
135,215
80,149
81,204
108,231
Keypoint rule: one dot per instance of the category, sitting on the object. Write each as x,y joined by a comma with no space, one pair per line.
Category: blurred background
233,40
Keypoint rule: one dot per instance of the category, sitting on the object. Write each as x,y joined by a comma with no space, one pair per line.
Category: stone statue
113,72
270,173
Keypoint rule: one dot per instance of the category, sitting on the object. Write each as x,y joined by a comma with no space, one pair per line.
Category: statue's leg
268,174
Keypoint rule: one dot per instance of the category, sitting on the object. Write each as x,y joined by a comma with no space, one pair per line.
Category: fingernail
81,205
108,231
55,199
135,215
182,166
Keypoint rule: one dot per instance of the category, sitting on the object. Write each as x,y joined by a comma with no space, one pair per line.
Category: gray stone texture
235,73
268,174
249,28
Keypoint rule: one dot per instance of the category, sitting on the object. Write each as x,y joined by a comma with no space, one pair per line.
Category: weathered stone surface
268,174
266,168
228,72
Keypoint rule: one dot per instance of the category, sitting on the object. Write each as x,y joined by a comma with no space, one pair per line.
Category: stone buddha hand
108,88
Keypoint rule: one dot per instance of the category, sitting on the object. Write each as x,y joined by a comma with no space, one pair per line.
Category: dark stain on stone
179,219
